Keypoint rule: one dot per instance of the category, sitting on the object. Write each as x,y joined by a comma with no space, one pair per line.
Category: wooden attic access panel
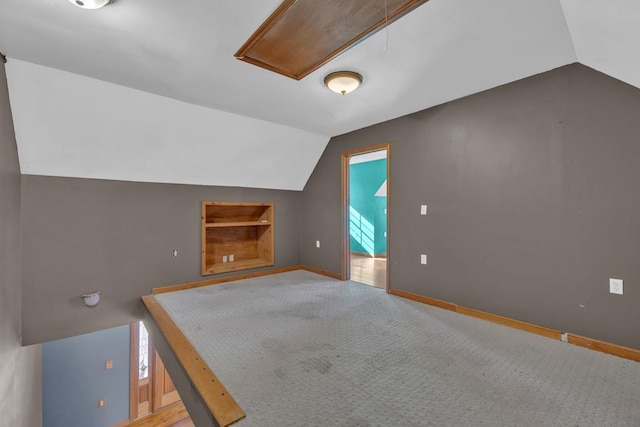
236,236
302,35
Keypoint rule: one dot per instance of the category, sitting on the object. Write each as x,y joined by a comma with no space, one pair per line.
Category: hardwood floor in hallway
174,415
368,270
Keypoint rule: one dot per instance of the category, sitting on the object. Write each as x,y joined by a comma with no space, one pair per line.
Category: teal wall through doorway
367,212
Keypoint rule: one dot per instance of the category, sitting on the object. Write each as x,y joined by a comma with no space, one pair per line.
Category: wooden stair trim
222,405
165,416
590,343
224,408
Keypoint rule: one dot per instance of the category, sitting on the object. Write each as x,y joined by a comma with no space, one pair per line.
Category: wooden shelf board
238,265
236,224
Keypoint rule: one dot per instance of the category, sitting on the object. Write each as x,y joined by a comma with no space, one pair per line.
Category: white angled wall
75,126
605,36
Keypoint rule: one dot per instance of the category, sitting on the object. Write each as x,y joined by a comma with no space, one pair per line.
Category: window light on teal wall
367,212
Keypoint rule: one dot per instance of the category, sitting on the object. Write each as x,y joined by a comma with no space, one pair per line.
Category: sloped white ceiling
183,50
606,36
71,125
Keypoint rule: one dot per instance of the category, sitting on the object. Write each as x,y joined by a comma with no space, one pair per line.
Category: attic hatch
302,35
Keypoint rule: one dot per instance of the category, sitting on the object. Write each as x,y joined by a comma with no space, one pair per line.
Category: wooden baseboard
235,277
423,299
217,281
513,323
368,255
601,346
362,254
322,272
604,347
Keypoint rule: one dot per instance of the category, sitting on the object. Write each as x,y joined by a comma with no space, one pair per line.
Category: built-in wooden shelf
238,224
236,236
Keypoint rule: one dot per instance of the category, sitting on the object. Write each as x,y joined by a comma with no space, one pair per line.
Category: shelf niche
239,230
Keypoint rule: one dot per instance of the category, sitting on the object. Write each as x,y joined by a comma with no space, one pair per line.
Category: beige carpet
299,349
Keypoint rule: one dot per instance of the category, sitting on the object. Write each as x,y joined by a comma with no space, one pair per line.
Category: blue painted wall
74,379
367,218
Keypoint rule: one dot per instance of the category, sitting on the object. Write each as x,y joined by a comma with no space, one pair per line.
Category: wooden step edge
222,405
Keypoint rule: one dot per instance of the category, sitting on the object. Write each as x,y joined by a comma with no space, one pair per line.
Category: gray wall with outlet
533,202
83,235
532,209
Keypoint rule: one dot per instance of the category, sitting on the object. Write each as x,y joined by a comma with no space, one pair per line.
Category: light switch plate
423,209
423,259
108,364
102,403
317,243
616,286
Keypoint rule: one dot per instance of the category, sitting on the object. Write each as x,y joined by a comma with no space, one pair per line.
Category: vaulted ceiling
149,90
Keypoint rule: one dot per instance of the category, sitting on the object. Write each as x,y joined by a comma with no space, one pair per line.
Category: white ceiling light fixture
91,4
92,299
343,82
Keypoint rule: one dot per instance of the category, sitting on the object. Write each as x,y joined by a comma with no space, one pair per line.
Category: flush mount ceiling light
91,4
343,81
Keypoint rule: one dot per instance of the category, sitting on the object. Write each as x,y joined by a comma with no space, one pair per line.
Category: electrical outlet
174,252
615,286
423,259
108,364
102,403
231,258
224,258
317,243
423,209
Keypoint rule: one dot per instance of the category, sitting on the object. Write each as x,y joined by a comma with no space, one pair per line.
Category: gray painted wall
82,235
533,202
74,378
20,382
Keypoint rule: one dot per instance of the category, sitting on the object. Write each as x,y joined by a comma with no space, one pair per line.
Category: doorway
151,387
365,186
